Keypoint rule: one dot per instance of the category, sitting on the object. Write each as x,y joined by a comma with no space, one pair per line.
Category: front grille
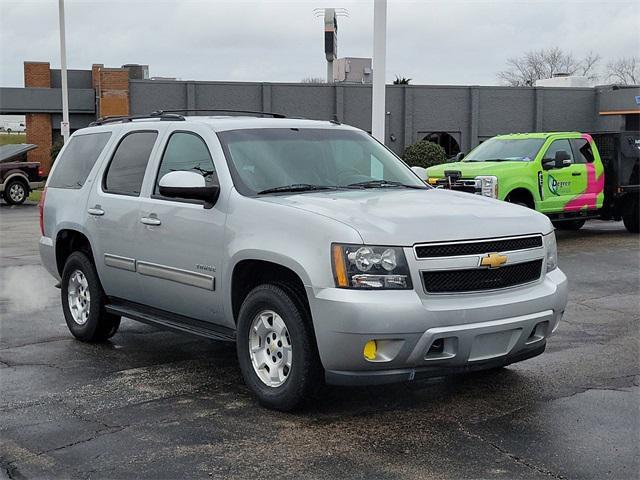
452,281
469,186
478,248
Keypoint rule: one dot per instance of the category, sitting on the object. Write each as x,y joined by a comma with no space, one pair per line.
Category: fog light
370,350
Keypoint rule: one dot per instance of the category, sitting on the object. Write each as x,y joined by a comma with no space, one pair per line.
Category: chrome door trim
123,263
178,275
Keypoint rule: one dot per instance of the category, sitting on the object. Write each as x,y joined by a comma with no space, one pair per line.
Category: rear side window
78,159
582,151
126,170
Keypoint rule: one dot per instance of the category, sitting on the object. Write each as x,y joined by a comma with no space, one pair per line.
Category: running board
169,321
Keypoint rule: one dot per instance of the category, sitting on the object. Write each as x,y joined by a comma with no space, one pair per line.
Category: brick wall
39,132
38,125
112,90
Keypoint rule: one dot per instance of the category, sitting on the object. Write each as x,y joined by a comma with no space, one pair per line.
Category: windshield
501,149
271,160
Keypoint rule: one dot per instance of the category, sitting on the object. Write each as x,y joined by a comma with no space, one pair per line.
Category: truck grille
478,248
454,281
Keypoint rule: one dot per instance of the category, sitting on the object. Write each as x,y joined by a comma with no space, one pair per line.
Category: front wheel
276,347
83,301
572,225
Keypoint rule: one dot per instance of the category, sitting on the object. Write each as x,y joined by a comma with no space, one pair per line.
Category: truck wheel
276,348
15,192
83,301
632,218
569,225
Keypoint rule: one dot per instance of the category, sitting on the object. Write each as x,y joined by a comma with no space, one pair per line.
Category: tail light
40,172
41,207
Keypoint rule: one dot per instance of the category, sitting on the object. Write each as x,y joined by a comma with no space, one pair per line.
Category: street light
64,126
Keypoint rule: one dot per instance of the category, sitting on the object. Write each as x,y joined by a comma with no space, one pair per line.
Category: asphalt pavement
155,404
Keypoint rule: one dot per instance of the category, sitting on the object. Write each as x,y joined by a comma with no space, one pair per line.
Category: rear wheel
83,301
276,347
631,219
569,225
15,192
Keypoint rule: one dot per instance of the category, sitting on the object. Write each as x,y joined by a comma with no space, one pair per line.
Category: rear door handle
576,174
151,221
97,211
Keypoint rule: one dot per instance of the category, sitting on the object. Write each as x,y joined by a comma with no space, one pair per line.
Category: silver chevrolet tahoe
308,243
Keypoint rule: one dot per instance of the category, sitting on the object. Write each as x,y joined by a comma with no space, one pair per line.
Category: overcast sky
432,42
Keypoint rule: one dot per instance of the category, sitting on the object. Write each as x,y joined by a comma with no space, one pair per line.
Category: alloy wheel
79,297
270,348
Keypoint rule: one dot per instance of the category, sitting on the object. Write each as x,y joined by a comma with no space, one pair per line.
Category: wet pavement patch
155,404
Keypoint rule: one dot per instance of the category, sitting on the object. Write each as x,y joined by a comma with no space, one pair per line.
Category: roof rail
220,110
124,119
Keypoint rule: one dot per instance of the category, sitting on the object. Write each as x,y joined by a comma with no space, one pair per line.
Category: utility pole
378,114
64,126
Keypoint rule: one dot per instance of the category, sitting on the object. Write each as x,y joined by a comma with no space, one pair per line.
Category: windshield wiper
296,187
381,184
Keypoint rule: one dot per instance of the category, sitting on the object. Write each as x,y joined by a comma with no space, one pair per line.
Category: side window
78,159
186,151
128,164
557,146
582,151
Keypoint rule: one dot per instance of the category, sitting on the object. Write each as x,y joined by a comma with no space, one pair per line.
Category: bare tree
313,80
625,71
538,64
402,80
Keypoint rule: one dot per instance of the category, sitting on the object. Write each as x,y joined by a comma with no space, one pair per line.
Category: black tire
305,377
99,325
516,201
632,219
15,192
573,225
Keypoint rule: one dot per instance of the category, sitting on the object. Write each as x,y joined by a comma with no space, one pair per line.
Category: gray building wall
470,114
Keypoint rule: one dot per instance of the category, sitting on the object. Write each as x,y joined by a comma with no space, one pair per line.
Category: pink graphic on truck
595,186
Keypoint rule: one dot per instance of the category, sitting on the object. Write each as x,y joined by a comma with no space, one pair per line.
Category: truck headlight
487,185
370,267
551,249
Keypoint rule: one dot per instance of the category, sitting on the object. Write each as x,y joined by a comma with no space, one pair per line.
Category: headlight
487,185
552,251
368,267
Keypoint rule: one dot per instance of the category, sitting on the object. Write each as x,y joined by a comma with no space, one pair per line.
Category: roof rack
220,110
124,119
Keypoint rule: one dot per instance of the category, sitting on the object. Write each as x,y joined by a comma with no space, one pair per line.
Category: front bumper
476,331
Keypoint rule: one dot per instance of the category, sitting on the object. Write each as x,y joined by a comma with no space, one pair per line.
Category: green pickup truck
559,174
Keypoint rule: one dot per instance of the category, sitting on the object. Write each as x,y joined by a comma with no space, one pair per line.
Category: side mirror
189,185
459,156
421,172
562,159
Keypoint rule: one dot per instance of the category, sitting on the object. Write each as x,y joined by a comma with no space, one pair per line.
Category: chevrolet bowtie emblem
493,260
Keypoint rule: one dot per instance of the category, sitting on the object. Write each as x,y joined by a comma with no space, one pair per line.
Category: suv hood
406,217
471,169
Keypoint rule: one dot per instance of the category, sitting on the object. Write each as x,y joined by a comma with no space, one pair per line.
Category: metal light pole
379,68
64,126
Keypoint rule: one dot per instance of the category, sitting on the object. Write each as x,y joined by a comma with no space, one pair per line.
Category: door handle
576,174
150,221
96,211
